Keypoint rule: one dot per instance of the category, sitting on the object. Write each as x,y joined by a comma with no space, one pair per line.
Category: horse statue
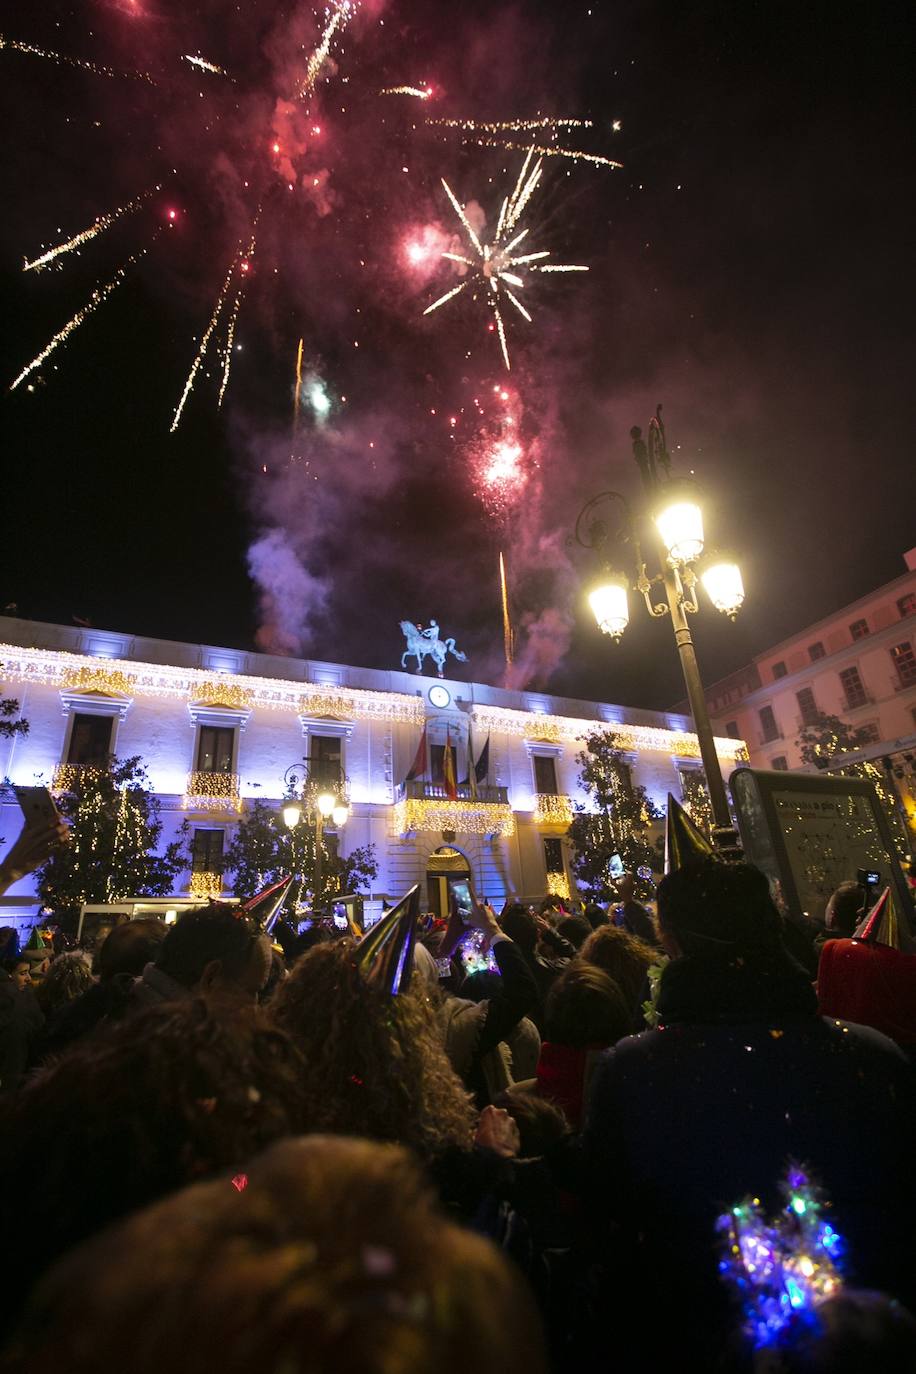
422,642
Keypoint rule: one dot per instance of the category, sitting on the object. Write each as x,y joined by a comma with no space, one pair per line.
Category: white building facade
217,729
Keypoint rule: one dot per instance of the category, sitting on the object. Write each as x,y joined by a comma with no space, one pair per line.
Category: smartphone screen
37,807
461,890
616,866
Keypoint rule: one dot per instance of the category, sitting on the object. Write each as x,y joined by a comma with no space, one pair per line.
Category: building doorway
445,866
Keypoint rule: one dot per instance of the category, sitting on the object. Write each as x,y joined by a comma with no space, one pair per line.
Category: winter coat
564,1076
871,984
689,1119
154,987
476,1032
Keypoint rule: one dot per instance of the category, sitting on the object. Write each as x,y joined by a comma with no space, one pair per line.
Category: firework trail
341,13
420,93
572,153
100,294
298,392
205,66
245,262
86,235
486,135
64,61
496,265
509,125
508,632
204,344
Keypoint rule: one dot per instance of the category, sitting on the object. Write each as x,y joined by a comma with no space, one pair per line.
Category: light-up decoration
205,886
781,1270
212,792
609,604
680,524
340,815
464,818
724,587
292,815
64,777
325,801
561,729
51,667
558,885
105,681
222,693
552,809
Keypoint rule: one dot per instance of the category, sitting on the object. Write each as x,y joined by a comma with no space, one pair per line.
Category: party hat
37,947
264,906
685,844
882,924
384,957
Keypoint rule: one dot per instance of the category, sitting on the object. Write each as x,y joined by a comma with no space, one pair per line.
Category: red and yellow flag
448,768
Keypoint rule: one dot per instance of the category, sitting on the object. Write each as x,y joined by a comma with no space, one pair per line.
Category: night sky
750,268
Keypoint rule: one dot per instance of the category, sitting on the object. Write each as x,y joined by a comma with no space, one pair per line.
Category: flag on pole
448,768
418,767
482,766
472,770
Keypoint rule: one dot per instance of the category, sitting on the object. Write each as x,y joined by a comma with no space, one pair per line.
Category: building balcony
558,885
553,808
205,885
212,792
424,806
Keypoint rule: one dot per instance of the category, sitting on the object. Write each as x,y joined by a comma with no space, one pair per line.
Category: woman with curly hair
626,959
374,1064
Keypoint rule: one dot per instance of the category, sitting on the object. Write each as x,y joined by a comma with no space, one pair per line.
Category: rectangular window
731,729
859,629
816,651
545,775
207,851
768,724
90,741
807,706
214,750
779,670
325,760
553,855
853,688
904,662
780,763
870,733
906,605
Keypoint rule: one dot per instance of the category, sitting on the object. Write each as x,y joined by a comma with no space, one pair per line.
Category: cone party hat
384,957
685,844
882,924
265,905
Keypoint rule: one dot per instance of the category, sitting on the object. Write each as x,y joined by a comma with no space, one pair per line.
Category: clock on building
439,696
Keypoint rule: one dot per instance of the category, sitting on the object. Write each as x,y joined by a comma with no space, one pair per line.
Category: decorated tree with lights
696,799
265,849
113,851
824,741
616,820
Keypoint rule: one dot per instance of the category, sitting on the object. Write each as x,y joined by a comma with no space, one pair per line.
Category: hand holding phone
463,899
38,807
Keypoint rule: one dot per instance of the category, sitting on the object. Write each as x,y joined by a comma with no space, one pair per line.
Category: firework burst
498,269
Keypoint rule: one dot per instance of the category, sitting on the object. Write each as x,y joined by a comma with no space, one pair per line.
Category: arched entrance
444,866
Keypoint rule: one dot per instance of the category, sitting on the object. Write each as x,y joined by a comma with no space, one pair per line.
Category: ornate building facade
218,728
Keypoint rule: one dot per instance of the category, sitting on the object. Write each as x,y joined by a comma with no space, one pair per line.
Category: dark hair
624,957
596,915
521,927
541,1123
129,947
204,935
846,904
170,1095
334,1256
575,929
586,1007
68,978
712,907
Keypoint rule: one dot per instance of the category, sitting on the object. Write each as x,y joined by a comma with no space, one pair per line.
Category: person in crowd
67,979
633,916
21,1022
128,948
489,1043
586,1012
210,950
871,978
741,1074
596,915
575,930
626,959
844,910
526,931
325,1254
374,1063
523,1042
172,1094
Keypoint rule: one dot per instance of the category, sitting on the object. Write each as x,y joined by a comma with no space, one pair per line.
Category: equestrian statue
421,642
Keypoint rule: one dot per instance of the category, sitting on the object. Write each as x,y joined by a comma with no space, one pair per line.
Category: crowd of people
503,1142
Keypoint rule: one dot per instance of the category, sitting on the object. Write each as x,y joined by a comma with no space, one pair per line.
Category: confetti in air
86,235
100,294
497,265
63,60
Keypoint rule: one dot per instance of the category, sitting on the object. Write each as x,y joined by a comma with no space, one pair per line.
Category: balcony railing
212,792
205,885
434,791
552,808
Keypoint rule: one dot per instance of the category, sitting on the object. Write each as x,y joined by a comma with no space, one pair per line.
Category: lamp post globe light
673,519
310,797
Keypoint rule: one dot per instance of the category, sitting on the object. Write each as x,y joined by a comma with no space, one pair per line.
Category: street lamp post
677,532
321,803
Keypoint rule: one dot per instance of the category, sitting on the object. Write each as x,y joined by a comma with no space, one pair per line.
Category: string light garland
553,809
204,886
559,729
226,693
558,885
464,818
105,681
212,792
